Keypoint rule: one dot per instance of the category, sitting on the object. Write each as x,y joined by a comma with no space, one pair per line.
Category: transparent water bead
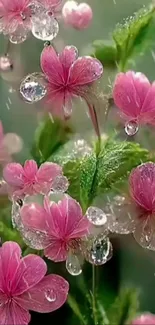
60,184
32,88
131,128
15,214
73,265
96,216
50,295
19,36
121,215
99,250
44,26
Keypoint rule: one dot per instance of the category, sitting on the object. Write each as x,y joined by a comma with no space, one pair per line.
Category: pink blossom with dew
60,226
24,286
144,319
10,143
29,179
142,191
134,95
15,17
77,15
69,76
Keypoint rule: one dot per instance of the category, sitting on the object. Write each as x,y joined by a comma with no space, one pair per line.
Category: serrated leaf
115,161
49,136
134,35
104,51
125,307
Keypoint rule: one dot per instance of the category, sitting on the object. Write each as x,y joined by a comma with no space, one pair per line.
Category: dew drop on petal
32,88
99,250
50,295
73,265
96,216
131,128
44,26
60,184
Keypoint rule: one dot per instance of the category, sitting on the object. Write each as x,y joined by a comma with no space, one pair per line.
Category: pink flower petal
55,100
13,174
13,314
144,319
142,186
71,217
129,93
48,295
52,66
48,171
30,169
56,251
67,58
33,216
31,271
10,254
85,70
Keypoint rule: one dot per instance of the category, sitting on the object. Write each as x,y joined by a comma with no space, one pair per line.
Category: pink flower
69,76
30,179
142,191
136,214
135,97
144,319
59,226
77,15
10,143
15,15
24,286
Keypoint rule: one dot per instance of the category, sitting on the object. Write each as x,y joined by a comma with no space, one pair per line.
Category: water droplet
5,63
131,128
99,250
119,200
60,184
73,265
13,143
19,36
32,88
47,43
44,26
50,295
67,111
96,216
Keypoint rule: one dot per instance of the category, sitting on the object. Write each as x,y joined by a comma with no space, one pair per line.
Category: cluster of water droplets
120,215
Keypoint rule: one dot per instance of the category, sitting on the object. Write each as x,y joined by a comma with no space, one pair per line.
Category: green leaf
105,51
49,136
134,35
115,161
125,307
93,174
79,171
75,308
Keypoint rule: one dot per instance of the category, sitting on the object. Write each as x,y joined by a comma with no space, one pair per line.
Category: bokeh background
132,265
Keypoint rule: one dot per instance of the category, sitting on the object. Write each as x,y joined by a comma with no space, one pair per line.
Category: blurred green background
136,265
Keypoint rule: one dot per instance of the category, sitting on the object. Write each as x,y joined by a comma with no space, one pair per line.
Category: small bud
77,15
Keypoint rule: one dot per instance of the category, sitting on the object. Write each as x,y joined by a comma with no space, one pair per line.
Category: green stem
94,295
